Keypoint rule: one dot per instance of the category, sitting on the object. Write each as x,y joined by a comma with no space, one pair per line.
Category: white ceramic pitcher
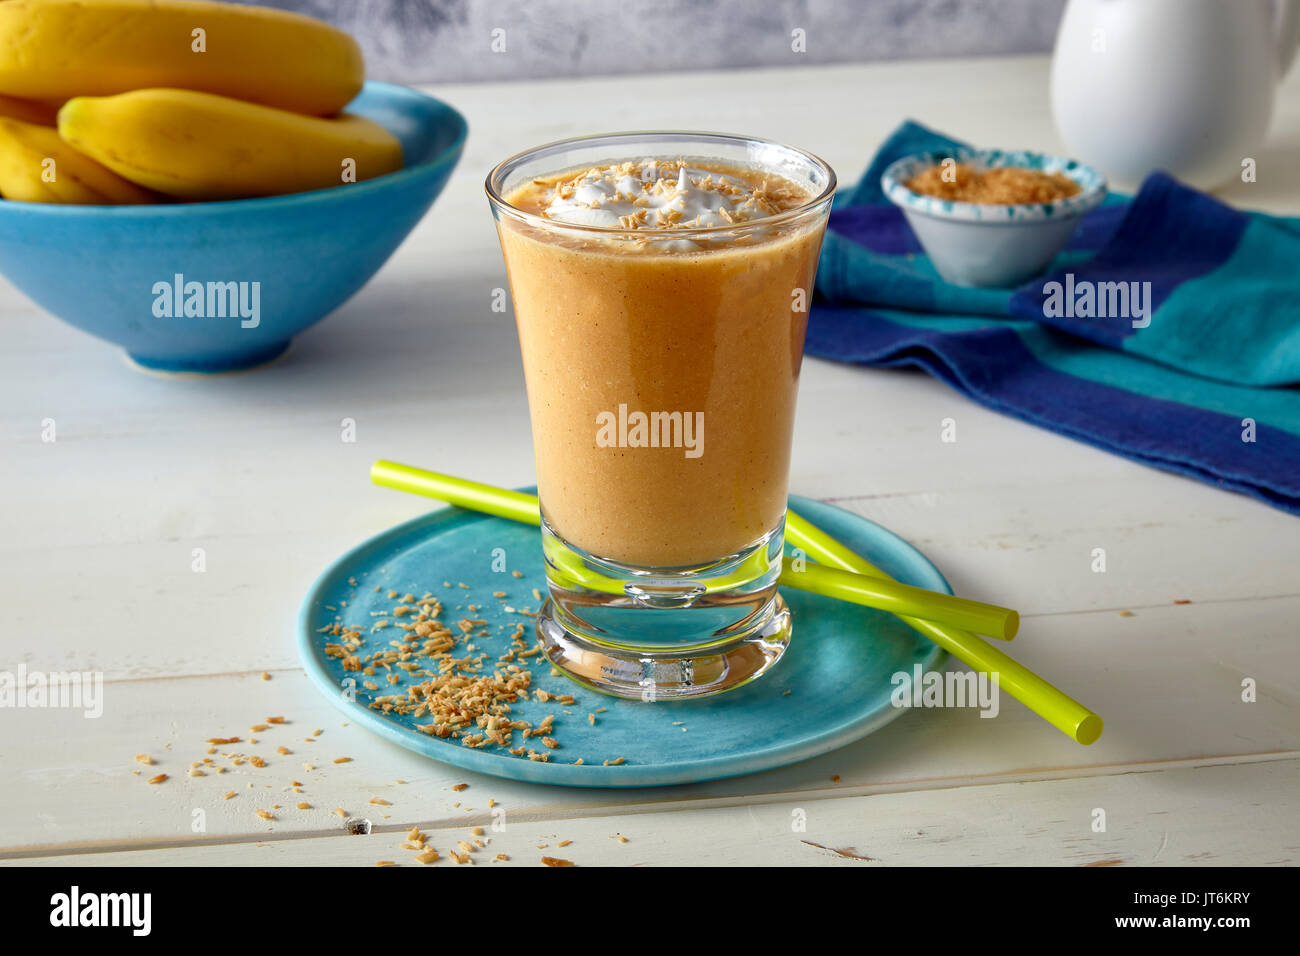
1181,85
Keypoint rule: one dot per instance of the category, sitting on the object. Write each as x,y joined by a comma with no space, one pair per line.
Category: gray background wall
430,41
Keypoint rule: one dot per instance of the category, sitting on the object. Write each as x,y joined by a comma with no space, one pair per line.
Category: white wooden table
100,527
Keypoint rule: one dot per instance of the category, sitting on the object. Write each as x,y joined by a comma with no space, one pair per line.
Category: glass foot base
670,675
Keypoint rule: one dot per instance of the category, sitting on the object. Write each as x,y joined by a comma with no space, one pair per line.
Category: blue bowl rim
270,203
1093,187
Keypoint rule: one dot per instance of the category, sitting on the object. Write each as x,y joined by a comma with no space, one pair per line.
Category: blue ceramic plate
831,687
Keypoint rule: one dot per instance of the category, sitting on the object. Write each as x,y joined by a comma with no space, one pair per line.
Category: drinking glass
661,366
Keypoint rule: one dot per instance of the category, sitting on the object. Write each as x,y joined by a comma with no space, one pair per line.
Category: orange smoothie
662,371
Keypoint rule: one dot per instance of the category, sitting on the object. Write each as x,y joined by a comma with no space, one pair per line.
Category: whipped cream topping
663,194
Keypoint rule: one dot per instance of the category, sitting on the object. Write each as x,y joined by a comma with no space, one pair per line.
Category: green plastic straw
876,591
1050,703
904,600
1057,708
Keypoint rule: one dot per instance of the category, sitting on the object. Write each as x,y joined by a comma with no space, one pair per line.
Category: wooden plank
1234,815
1167,681
1165,540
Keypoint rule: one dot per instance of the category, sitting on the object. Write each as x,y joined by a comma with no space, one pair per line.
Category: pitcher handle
1288,33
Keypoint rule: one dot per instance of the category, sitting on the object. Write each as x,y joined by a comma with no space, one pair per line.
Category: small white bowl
992,244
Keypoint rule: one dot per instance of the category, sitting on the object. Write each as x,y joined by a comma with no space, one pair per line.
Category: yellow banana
56,49
37,166
29,111
205,147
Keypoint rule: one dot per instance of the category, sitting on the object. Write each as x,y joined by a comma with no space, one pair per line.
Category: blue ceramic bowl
992,245
266,268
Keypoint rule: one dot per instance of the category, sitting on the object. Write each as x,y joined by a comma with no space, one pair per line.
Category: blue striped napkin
1167,330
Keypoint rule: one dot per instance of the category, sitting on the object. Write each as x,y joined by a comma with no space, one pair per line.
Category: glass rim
497,174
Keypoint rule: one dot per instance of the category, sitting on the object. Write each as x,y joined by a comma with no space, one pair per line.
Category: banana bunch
36,165
134,101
